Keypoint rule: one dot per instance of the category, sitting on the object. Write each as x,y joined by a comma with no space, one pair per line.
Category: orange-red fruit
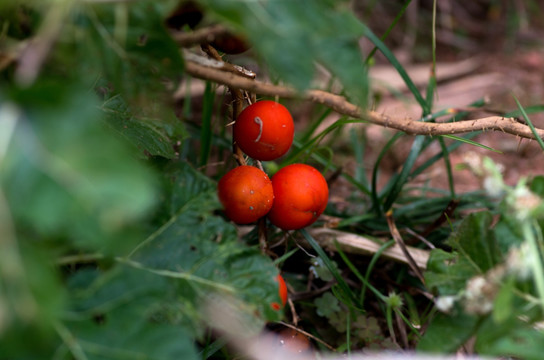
264,130
282,290
246,194
300,196
293,341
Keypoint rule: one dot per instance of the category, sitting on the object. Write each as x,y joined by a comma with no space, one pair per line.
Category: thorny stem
342,106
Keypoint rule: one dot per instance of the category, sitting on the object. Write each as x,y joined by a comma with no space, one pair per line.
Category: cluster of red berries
297,193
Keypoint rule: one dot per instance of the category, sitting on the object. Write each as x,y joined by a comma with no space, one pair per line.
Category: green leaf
446,333
508,233
502,307
290,36
470,142
126,332
165,283
515,337
537,185
156,136
65,175
447,272
475,252
476,242
327,305
129,43
203,250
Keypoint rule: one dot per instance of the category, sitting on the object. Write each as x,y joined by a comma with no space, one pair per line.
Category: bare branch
342,106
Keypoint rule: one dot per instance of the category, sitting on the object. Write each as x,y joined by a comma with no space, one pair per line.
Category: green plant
114,138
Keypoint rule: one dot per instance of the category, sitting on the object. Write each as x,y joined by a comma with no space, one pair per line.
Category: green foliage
111,245
489,287
112,240
290,36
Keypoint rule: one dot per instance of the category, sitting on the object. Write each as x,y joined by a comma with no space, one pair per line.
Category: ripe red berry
264,130
300,196
293,342
246,194
282,290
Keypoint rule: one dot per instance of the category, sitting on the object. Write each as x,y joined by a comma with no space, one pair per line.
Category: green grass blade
389,29
528,110
375,199
358,147
468,141
404,175
334,271
370,266
314,125
397,65
439,156
447,163
537,137
308,146
356,272
431,87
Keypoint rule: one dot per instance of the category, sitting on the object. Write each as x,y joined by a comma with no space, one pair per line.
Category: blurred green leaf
131,46
164,284
447,333
475,241
537,185
447,272
127,332
327,305
475,252
508,233
502,308
152,136
515,337
290,36
65,175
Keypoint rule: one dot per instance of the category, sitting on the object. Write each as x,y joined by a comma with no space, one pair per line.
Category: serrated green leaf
65,175
447,272
168,278
140,338
151,136
183,184
327,305
475,241
508,233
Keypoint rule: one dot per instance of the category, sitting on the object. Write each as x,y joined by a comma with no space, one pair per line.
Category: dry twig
342,106
357,244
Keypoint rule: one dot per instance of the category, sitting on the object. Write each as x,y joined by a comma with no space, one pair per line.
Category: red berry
300,196
264,130
282,290
246,194
293,341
